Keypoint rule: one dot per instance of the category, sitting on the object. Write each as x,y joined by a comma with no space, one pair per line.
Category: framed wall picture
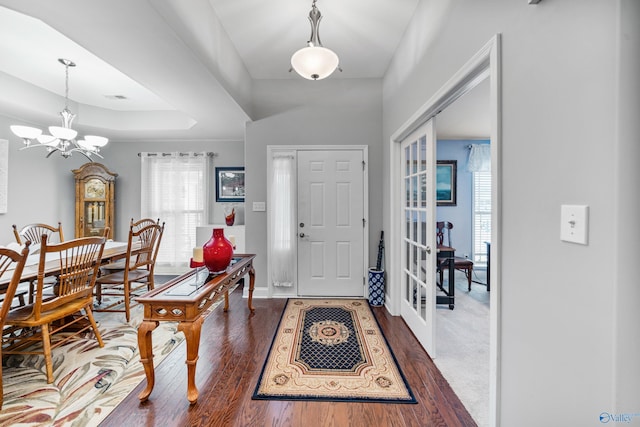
230,184
446,172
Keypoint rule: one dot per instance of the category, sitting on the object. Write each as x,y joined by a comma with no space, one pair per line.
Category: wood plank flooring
233,348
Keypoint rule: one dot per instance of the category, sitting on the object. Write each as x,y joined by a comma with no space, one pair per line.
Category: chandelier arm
51,152
85,153
31,146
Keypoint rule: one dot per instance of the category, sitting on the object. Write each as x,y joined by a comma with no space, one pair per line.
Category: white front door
418,254
331,223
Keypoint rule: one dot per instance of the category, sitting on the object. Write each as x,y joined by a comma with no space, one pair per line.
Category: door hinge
363,164
364,221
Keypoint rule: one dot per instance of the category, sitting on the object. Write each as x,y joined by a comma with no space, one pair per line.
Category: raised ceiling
184,68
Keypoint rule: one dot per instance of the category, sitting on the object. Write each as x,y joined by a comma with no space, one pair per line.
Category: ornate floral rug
89,381
332,350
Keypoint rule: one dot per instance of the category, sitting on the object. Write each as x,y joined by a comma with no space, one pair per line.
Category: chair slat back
34,233
149,237
78,261
141,223
441,227
11,262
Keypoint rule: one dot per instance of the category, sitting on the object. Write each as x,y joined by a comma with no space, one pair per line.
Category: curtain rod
209,154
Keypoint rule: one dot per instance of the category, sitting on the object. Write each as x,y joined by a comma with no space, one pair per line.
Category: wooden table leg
252,282
452,282
145,344
226,301
191,332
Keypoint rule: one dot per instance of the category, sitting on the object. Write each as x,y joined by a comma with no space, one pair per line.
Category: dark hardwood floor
233,348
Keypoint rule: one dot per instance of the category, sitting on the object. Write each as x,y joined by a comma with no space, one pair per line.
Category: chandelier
62,138
314,62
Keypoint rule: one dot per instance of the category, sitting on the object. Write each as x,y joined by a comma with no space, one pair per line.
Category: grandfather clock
95,194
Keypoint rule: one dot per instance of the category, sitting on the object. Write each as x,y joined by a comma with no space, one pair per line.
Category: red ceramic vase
217,252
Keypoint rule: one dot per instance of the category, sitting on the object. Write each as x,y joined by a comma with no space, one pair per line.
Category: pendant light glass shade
25,132
66,134
314,62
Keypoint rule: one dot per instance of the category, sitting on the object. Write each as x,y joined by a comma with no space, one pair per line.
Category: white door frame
293,149
485,63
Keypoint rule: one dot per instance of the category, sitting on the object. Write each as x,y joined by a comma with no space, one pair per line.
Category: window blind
481,216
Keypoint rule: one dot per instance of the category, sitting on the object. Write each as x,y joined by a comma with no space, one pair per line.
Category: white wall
300,112
560,145
626,231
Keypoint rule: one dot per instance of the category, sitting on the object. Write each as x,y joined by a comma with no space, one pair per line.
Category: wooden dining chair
67,310
34,233
118,264
462,264
11,262
118,287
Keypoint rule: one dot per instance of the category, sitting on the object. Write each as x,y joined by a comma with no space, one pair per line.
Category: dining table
113,250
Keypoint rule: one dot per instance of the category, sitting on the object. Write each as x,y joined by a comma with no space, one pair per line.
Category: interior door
418,306
331,223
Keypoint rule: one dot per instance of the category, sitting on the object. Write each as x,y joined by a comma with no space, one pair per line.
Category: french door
418,253
331,223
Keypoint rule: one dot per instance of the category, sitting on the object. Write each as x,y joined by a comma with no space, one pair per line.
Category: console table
184,299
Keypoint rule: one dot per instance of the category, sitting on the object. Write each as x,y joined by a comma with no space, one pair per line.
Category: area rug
331,350
89,381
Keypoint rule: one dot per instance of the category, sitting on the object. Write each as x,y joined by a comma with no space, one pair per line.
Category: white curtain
282,225
479,158
174,190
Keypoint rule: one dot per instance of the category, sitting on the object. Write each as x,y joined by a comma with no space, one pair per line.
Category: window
481,216
174,189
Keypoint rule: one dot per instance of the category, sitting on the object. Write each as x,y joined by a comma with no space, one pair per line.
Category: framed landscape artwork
230,184
446,171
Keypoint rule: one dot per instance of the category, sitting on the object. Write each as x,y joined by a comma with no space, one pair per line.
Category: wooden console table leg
252,282
191,332
145,344
226,301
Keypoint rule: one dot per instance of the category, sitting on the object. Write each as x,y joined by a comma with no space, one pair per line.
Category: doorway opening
484,65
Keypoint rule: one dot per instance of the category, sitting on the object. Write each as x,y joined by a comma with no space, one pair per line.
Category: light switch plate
574,223
259,206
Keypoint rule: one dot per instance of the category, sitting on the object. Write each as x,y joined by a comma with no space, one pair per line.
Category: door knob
301,234
428,249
